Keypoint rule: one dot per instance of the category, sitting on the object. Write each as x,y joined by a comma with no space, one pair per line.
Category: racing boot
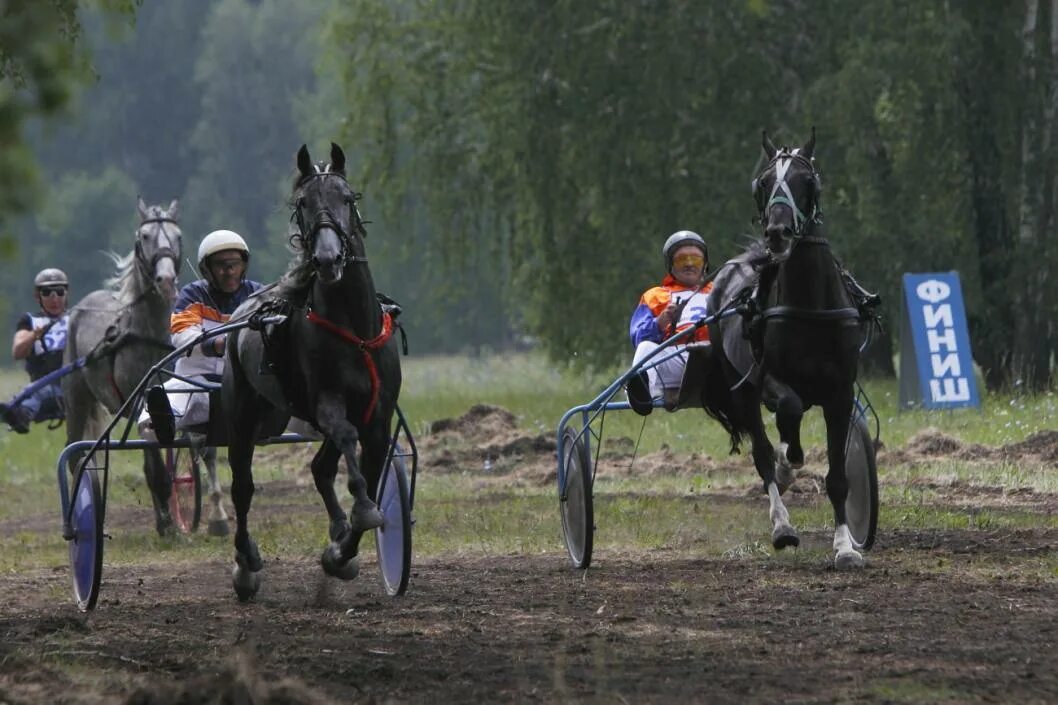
638,390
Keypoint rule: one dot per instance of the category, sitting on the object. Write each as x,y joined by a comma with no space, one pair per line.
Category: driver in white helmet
673,306
40,339
223,258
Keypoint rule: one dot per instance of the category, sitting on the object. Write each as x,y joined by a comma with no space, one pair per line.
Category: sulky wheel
393,538
575,499
185,499
86,546
861,473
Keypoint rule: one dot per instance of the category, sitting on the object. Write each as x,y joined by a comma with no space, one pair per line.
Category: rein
365,346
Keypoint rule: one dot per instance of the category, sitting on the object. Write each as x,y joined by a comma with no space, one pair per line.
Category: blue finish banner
934,325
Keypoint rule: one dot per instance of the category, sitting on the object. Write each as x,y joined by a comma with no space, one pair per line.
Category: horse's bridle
148,266
780,192
326,219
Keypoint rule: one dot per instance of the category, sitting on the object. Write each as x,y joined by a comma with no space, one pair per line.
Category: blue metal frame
603,402
130,409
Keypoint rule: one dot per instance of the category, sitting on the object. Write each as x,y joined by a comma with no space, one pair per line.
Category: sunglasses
688,261
225,266
53,291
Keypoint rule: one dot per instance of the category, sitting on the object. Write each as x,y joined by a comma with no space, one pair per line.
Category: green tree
41,62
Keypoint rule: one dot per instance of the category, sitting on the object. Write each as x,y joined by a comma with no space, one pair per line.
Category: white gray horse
124,330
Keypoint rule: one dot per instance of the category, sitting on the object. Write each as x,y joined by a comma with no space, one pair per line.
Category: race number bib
695,308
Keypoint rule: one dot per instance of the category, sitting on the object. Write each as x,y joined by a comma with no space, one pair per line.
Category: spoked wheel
393,538
575,499
86,547
185,500
861,473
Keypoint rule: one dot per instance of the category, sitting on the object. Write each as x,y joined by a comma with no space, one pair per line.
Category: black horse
333,364
796,347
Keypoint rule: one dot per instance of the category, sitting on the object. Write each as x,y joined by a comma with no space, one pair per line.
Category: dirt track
937,616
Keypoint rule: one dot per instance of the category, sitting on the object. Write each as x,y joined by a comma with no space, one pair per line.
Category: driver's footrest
161,414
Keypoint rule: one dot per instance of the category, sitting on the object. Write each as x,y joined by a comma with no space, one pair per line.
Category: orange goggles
682,261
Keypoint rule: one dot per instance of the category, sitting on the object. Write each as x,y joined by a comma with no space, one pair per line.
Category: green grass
457,513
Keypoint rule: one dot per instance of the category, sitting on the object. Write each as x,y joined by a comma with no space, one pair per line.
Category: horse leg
374,442
334,560
330,415
837,415
782,533
244,409
218,518
789,410
160,485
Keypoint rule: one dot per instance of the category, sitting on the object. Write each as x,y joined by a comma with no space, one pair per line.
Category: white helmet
679,239
218,241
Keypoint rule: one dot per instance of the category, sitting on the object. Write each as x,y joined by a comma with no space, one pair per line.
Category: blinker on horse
804,341
333,364
123,330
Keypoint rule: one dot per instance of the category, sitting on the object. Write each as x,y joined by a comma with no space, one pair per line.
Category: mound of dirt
487,438
237,682
932,442
1042,444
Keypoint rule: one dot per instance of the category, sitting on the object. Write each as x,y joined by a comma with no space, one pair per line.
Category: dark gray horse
804,335
124,330
332,364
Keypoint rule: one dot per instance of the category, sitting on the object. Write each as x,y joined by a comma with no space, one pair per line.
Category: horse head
329,226
787,192
158,246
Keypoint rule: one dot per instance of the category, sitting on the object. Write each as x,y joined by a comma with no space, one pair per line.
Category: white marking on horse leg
782,534
218,518
784,473
846,556
216,495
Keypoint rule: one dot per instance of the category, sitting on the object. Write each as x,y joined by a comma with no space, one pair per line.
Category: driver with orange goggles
664,310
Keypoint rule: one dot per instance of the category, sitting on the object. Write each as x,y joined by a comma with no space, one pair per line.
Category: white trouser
666,375
190,408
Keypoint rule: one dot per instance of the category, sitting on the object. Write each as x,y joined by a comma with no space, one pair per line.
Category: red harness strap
365,347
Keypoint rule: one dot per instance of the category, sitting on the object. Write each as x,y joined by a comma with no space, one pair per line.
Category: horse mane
123,283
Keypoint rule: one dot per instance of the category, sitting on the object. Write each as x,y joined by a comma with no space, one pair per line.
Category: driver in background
40,339
223,260
664,310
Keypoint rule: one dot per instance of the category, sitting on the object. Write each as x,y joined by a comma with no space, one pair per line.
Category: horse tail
719,402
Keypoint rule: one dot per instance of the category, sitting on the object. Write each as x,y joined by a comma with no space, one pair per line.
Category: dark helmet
50,277
678,240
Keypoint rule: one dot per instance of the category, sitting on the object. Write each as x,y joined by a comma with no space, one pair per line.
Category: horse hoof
781,538
218,527
166,528
333,566
250,559
245,582
849,559
367,520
